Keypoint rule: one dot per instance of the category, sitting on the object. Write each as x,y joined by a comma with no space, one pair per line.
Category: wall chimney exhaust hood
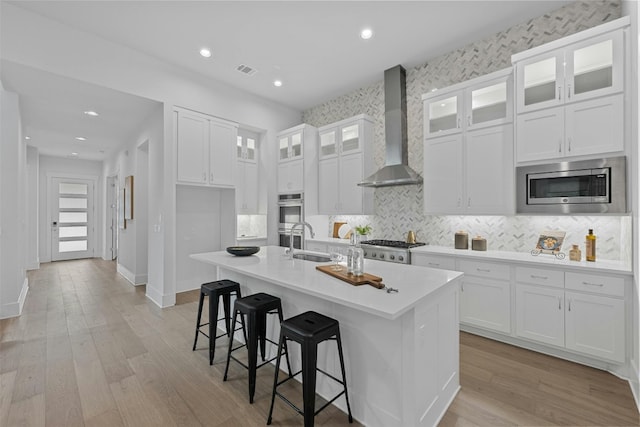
396,170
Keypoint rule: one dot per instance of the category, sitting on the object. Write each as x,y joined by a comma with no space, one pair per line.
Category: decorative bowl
243,250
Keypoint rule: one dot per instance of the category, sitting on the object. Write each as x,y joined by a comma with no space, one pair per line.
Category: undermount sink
312,257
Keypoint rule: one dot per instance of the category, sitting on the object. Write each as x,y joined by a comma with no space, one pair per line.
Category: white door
112,222
72,218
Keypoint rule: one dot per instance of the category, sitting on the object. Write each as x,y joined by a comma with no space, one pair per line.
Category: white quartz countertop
602,266
271,265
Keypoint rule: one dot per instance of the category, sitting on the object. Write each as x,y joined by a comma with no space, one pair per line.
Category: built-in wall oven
290,212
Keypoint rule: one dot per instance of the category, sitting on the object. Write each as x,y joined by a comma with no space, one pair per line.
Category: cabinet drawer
536,276
433,261
606,285
485,269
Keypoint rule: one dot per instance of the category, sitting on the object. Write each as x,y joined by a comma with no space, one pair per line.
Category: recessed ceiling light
91,113
277,83
434,89
74,154
81,138
443,104
366,34
205,52
27,137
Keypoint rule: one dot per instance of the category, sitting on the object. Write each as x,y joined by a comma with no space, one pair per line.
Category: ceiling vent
246,70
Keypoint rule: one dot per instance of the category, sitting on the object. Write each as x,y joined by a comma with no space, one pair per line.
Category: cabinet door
328,143
222,152
442,115
283,147
316,246
595,326
540,314
489,154
193,148
486,303
443,174
290,177
540,135
433,261
595,67
595,126
540,82
489,104
350,139
296,141
248,193
328,185
350,199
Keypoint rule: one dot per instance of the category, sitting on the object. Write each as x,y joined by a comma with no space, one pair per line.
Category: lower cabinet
584,313
485,296
591,323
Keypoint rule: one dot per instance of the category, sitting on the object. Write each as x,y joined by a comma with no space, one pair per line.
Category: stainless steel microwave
586,186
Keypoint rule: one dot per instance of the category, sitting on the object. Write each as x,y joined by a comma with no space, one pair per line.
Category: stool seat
255,307
214,291
309,329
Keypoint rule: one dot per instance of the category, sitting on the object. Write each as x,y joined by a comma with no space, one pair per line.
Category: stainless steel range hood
396,170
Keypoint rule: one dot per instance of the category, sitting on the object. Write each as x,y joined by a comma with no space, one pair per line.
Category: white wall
32,258
67,168
13,279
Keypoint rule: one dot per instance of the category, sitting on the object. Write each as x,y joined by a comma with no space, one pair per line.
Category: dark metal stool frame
214,290
309,329
255,307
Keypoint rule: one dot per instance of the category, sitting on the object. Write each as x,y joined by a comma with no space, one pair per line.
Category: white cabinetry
205,149
468,148
247,181
570,95
485,295
298,164
581,312
433,261
345,159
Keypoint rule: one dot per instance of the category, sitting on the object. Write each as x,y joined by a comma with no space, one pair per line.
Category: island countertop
270,264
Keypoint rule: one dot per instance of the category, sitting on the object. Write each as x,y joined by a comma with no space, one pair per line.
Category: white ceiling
312,46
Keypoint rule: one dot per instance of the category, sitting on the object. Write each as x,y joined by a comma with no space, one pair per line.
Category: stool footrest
298,410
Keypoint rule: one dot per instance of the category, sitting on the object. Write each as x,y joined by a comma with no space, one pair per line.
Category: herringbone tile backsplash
399,209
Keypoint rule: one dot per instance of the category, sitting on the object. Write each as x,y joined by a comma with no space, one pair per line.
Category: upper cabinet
298,164
247,181
570,95
345,159
205,149
468,147
463,107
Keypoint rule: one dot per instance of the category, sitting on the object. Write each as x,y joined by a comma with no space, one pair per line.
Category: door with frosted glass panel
72,219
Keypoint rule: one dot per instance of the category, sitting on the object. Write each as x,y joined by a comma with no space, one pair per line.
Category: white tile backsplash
252,225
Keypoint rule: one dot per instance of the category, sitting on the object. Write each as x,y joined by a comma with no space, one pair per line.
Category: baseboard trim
160,300
134,279
634,384
14,309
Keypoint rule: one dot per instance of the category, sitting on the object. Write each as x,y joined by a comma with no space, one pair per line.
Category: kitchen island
401,349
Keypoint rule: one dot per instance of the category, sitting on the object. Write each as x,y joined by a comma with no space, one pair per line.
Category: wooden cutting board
365,279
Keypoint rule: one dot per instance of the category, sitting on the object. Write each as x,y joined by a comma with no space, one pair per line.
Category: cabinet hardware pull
559,303
593,284
568,91
484,270
559,93
462,286
434,264
211,177
559,146
458,122
569,306
468,120
569,144
533,276
469,202
204,176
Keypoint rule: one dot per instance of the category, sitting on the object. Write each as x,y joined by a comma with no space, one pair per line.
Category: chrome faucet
289,251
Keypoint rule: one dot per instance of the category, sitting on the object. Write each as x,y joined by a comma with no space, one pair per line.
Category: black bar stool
215,290
309,329
255,307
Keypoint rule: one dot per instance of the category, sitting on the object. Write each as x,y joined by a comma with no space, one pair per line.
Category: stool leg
252,348
226,303
309,360
286,350
275,376
195,340
233,327
213,325
344,377
261,325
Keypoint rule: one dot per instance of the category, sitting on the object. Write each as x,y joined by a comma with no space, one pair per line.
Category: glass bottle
350,250
590,246
358,259
575,254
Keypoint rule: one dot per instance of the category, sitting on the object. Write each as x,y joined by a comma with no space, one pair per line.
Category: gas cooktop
392,243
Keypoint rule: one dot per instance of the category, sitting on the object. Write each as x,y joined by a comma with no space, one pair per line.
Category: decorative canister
479,243
462,240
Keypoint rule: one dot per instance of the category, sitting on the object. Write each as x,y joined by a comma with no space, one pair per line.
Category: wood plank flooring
91,350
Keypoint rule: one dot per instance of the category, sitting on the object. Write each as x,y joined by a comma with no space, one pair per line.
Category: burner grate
392,243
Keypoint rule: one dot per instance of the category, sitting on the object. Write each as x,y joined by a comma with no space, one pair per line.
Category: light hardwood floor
90,349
